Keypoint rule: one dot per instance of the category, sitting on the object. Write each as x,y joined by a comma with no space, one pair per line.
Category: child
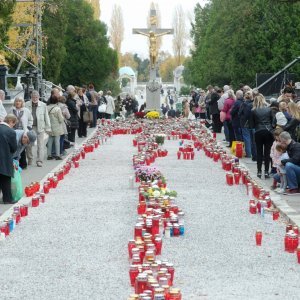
275,155
281,169
282,117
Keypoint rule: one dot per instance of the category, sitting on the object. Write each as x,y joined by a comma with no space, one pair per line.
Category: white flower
156,193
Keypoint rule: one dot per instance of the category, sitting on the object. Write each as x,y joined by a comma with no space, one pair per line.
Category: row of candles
38,192
260,201
158,216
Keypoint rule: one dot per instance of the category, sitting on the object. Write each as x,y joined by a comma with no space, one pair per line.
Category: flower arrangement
160,139
152,115
147,173
140,115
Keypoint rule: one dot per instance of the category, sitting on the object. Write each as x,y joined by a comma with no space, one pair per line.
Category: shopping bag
16,185
87,116
102,108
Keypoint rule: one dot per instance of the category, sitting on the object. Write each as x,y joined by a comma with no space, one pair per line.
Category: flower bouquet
152,115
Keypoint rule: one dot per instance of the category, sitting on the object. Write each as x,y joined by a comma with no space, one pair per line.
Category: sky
135,14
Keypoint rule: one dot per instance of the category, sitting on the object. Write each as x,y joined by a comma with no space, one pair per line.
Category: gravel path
218,258
75,245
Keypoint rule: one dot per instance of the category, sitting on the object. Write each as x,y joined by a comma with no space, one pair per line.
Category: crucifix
153,33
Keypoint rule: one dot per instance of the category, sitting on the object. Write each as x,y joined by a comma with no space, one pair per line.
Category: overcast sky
135,14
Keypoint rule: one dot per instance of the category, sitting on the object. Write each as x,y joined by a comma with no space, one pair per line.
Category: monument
153,86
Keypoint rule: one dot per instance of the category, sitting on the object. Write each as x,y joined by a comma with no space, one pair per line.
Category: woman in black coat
8,142
74,118
214,111
261,120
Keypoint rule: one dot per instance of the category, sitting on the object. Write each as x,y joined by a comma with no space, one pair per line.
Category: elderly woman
56,120
25,122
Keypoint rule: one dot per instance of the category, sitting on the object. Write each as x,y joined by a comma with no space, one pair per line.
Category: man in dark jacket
8,142
292,164
214,111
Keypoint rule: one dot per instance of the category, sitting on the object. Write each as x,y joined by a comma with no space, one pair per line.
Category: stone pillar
3,80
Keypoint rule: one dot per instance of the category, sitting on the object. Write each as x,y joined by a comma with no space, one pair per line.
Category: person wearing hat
23,140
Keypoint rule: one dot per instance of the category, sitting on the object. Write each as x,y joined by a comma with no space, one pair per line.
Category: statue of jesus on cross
153,33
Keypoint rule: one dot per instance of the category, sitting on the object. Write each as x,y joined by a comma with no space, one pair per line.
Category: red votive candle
258,237
237,177
35,201
178,154
229,179
298,254
133,273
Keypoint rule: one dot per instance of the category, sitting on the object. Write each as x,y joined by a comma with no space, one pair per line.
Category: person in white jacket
3,112
41,124
25,122
110,107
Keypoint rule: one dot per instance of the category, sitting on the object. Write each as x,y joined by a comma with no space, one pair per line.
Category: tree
6,9
54,20
96,7
80,54
142,68
128,60
180,33
89,57
117,28
235,39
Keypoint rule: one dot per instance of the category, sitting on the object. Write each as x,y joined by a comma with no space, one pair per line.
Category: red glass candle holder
298,254
178,154
46,187
229,179
237,177
275,215
24,210
42,197
258,238
192,155
133,273
35,201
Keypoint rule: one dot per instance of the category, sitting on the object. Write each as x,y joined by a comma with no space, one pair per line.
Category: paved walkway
289,205
34,173
75,245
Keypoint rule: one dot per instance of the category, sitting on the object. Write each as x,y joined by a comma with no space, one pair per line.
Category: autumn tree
116,29
6,8
96,7
180,34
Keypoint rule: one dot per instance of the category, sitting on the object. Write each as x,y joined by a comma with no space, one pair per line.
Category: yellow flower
152,115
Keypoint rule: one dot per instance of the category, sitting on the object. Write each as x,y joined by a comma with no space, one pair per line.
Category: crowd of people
270,130
53,124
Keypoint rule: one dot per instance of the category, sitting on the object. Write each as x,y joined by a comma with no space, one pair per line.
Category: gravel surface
218,258
75,245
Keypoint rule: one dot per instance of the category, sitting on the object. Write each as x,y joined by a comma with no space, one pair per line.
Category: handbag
87,116
222,116
102,108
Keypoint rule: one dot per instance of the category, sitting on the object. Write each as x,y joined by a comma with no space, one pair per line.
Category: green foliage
142,68
6,9
80,53
235,39
185,90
